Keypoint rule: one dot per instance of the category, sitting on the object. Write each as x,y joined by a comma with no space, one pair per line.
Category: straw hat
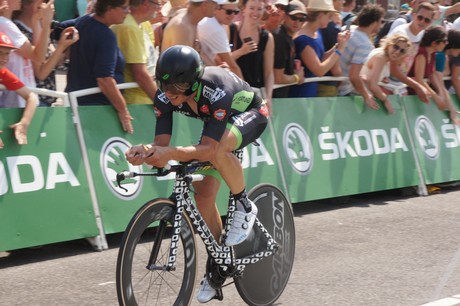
170,7
320,6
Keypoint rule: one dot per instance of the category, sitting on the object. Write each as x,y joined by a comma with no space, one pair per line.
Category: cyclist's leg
205,197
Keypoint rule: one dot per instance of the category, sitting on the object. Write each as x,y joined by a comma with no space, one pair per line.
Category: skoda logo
112,161
427,137
298,148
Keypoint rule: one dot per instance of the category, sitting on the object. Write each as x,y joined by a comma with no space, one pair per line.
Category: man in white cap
135,40
215,48
182,28
284,68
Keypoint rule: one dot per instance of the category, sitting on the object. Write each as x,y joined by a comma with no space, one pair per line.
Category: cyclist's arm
162,140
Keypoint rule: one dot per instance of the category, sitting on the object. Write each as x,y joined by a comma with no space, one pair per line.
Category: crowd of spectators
265,42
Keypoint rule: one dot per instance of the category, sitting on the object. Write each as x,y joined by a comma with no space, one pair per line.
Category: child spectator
11,82
434,40
376,69
309,47
369,21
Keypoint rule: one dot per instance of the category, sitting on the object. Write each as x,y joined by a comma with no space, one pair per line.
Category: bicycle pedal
219,294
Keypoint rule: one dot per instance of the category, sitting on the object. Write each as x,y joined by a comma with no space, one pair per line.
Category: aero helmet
179,69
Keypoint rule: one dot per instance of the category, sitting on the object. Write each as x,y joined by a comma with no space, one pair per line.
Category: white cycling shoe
241,226
206,292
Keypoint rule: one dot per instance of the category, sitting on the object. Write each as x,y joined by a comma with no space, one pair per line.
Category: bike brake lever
122,176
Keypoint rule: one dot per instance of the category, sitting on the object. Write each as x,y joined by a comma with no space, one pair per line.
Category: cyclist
233,115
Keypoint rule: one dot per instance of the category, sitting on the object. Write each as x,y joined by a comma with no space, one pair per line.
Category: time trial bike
157,259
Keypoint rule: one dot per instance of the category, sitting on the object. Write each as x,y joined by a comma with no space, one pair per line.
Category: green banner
332,147
437,140
44,195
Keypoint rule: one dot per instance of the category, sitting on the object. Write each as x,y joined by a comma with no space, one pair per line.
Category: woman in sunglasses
434,40
376,68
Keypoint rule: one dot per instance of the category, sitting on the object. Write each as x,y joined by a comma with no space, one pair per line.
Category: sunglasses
301,19
442,41
421,18
400,49
229,12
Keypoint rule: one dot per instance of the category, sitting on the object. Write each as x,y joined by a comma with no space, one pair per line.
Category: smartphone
347,28
247,39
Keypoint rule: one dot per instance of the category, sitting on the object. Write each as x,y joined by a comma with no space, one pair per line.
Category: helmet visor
177,88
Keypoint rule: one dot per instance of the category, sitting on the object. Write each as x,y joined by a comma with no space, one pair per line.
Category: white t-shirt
456,24
213,39
20,66
414,39
365,70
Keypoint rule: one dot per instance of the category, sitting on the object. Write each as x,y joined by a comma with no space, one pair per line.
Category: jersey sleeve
163,113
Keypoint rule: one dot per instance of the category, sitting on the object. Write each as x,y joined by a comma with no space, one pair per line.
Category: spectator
376,69
453,52
215,48
256,66
135,40
329,35
29,18
347,11
182,28
273,17
20,63
421,18
408,16
443,11
96,60
168,10
434,40
284,68
309,47
369,21
11,82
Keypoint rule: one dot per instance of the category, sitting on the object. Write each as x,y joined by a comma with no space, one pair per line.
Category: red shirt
10,80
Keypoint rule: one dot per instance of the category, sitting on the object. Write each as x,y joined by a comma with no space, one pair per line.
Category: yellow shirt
136,42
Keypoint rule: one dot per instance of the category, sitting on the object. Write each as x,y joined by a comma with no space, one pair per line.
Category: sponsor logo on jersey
162,97
205,109
213,95
220,114
263,110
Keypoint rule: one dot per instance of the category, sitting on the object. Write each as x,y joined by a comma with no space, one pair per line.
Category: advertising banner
44,194
331,147
437,140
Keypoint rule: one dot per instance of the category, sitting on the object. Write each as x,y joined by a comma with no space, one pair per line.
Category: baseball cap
296,7
226,2
216,1
5,41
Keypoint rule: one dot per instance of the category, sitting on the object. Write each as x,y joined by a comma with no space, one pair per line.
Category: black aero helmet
179,69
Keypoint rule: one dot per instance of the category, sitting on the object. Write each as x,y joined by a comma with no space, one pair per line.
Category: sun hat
320,6
296,7
5,41
170,7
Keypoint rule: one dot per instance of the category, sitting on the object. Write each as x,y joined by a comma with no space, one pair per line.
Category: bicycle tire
263,283
137,285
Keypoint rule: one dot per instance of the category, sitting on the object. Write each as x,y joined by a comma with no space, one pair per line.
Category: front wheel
141,276
263,283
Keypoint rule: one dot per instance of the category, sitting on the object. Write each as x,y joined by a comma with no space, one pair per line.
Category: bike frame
222,255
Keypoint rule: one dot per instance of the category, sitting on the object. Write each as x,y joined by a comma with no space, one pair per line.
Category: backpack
386,28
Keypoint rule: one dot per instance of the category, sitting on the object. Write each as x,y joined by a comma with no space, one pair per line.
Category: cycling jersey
221,97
